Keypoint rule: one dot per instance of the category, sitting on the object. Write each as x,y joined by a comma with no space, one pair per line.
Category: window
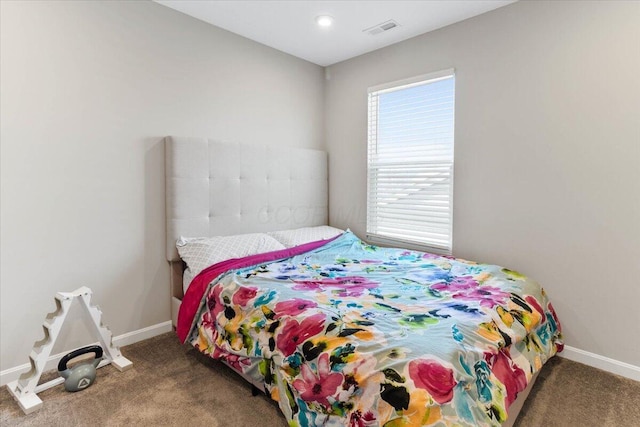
410,163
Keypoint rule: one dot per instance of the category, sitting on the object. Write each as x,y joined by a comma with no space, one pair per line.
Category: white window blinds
410,162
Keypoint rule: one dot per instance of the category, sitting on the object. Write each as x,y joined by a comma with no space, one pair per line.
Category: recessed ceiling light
324,21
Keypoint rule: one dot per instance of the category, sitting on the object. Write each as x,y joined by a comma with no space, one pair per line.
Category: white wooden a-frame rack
25,388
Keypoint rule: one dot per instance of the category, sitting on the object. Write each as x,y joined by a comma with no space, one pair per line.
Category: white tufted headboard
215,188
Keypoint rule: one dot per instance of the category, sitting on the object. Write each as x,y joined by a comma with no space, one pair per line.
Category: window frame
423,79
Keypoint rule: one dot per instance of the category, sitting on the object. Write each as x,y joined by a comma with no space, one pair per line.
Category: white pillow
300,236
201,252
187,277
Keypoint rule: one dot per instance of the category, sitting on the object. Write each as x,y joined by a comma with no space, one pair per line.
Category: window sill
398,243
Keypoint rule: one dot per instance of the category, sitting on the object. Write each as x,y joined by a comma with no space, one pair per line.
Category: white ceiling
290,26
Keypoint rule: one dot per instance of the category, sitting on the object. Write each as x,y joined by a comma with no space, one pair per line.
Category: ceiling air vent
381,28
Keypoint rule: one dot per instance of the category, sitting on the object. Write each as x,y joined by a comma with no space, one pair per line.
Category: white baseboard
601,362
142,334
12,374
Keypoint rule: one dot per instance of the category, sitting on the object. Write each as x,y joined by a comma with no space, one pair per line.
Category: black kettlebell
83,374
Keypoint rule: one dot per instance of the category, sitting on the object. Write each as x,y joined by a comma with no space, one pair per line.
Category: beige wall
547,174
88,91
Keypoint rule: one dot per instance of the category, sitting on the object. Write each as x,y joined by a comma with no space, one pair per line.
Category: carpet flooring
173,385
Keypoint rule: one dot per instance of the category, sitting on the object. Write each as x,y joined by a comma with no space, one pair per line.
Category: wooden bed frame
215,188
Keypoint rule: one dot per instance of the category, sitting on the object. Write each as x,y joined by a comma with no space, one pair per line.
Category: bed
337,331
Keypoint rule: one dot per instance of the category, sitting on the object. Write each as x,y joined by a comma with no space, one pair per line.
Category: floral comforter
357,335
